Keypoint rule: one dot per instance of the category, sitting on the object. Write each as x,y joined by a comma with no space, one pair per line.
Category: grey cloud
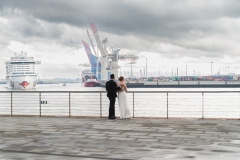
30,27
147,22
26,29
145,17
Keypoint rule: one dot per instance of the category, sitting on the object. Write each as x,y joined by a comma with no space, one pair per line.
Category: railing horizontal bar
127,92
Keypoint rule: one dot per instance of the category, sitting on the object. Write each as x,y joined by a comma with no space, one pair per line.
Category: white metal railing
160,104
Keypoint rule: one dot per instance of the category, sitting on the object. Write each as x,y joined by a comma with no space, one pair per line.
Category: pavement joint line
61,155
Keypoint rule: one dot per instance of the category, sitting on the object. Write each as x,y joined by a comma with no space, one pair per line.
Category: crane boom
95,33
96,54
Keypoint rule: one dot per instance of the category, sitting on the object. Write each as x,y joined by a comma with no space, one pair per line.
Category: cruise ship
20,72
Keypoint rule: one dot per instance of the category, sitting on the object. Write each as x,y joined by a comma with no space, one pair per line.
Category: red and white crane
110,54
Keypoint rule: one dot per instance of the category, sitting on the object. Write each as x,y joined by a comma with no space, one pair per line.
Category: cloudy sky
169,33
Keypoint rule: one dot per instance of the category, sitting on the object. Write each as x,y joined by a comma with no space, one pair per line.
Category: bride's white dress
124,110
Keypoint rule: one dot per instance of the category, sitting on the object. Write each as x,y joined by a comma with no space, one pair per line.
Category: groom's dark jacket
111,88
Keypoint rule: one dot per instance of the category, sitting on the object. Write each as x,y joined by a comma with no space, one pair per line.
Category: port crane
110,54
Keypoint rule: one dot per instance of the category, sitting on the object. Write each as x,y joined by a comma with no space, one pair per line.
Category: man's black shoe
111,117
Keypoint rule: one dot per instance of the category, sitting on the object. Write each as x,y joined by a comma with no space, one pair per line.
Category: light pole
131,69
177,71
186,70
228,70
211,68
172,72
146,69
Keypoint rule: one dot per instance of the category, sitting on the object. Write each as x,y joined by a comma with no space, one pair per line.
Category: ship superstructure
87,74
20,72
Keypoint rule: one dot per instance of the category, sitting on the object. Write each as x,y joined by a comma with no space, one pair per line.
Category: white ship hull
22,81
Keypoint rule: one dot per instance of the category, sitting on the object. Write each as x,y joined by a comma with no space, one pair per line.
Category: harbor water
223,104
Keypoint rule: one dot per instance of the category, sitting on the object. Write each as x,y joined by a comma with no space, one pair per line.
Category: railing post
40,104
100,104
11,105
69,103
133,104
202,105
167,105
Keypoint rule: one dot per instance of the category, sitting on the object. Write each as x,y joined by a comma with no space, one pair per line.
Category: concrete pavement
41,138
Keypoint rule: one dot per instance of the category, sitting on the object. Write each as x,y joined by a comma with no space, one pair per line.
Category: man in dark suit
111,88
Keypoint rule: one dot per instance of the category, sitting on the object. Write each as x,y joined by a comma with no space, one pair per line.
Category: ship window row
18,69
23,63
15,63
23,73
22,70
20,61
23,67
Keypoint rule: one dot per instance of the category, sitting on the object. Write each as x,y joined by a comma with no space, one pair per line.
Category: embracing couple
112,88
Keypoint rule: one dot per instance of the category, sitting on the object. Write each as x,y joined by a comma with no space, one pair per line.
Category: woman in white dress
122,100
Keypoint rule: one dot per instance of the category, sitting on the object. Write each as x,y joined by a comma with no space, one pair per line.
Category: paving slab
27,138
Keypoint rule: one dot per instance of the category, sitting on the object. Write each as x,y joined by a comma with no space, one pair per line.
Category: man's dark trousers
112,106
111,88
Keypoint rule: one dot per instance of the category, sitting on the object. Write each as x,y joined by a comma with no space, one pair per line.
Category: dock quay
63,138
182,84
